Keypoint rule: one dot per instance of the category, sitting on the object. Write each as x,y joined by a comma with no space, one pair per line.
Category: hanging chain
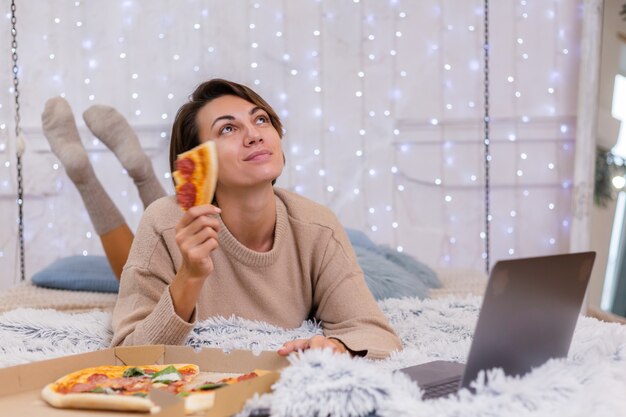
486,141
18,132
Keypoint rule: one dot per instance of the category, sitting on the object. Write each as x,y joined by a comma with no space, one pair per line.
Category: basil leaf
140,394
167,375
97,390
209,387
130,372
169,370
184,394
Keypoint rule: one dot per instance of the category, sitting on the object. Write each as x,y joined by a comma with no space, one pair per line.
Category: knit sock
59,127
108,125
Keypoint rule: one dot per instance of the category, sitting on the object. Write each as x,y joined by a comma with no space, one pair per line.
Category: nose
253,135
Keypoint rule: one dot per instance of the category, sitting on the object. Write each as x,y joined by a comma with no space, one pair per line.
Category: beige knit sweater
311,272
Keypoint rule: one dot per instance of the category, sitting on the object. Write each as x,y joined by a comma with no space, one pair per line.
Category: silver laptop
528,316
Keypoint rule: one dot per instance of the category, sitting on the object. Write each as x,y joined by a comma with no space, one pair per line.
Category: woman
259,252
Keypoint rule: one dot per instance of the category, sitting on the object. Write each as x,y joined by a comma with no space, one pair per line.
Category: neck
250,216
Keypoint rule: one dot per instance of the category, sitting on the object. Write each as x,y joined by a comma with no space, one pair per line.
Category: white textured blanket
592,381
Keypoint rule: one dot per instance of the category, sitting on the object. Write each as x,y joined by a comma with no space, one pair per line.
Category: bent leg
60,130
116,244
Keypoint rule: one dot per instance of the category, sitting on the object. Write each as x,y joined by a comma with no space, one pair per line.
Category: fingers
196,237
200,253
293,346
321,342
187,240
197,226
195,212
315,342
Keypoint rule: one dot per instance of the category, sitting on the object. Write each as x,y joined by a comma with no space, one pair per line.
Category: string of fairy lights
149,96
361,152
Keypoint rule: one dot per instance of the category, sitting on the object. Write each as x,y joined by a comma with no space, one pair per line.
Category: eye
226,129
261,119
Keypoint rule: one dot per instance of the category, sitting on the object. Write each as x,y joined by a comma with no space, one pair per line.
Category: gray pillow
389,273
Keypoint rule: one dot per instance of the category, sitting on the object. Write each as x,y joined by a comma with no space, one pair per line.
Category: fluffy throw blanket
591,381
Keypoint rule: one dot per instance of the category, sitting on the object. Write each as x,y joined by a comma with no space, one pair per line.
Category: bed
27,295
591,381
39,323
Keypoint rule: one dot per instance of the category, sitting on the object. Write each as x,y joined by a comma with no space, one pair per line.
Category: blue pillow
78,273
389,273
360,239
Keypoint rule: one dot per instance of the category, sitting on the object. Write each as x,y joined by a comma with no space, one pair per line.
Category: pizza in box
196,175
126,388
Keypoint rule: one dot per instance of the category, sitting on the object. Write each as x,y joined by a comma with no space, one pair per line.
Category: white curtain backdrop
382,103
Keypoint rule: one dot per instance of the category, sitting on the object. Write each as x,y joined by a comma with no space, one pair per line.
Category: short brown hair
185,128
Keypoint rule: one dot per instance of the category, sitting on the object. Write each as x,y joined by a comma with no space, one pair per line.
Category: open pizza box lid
21,385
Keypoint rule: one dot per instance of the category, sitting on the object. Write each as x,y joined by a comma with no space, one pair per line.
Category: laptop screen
529,313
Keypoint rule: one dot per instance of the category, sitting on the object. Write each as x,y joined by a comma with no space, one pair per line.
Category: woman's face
248,146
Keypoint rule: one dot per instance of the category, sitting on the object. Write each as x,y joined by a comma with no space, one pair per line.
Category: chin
273,174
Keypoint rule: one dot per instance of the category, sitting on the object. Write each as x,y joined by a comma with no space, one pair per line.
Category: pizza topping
167,375
186,195
130,372
240,378
247,376
195,175
97,378
80,388
175,387
102,390
131,384
186,372
186,167
209,386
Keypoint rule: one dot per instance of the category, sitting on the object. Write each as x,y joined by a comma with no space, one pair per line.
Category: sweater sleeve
144,313
345,305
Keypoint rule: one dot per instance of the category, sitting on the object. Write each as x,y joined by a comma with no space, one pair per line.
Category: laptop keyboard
441,390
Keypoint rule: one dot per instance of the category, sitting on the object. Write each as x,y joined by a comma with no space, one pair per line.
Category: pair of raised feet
107,124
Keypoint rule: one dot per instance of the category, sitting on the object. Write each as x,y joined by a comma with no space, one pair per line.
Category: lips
255,154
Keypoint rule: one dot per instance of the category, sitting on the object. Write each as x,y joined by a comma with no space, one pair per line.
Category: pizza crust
194,403
197,402
97,401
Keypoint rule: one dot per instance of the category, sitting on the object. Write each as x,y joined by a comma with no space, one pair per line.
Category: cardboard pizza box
21,385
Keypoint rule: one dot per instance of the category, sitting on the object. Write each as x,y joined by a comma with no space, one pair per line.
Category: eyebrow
229,117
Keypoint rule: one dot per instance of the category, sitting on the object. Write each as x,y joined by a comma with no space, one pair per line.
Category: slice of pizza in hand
196,175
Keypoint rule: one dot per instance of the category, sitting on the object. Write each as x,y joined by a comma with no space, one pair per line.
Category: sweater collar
232,246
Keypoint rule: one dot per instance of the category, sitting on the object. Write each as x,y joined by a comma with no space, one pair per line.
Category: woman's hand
196,237
316,342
